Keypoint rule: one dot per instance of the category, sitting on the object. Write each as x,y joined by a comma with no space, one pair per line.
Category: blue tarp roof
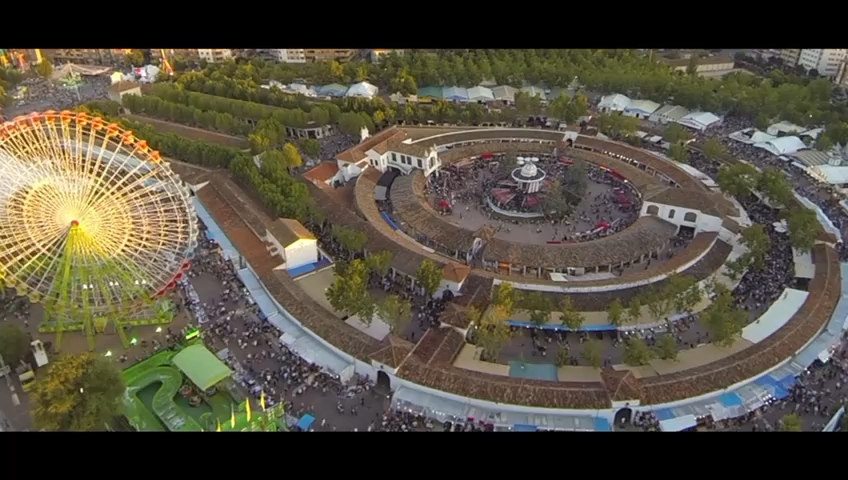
602,425
664,414
772,386
524,428
730,400
305,422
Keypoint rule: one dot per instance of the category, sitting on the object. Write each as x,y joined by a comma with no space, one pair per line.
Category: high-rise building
826,61
790,56
326,54
287,55
841,77
214,55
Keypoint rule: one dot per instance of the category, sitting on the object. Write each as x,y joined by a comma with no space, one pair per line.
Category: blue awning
787,382
388,220
664,414
602,425
583,328
772,386
730,400
524,428
305,422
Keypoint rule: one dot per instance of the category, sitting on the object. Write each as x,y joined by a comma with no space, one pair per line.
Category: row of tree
155,107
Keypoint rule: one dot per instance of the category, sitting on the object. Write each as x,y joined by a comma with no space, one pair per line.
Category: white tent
699,120
504,93
302,89
641,108
362,89
782,145
614,103
785,128
480,94
678,424
829,174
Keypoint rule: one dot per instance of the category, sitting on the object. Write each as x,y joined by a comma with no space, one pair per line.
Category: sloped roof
699,120
432,92
615,101
362,89
288,231
122,87
333,89
455,272
705,202
760,137
645,106
673,112
504,92
393,352
455,93
201,366
622,385
782,145
534,92
480,94
322,172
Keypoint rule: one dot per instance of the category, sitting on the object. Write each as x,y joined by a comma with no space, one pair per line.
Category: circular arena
681,227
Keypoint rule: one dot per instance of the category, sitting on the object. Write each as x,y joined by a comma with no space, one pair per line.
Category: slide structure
145,373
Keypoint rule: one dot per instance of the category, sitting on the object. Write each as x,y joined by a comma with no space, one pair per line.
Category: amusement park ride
93,224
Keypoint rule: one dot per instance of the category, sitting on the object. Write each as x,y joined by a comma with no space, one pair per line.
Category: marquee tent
699,120
362,89
782,145
457,94
480,94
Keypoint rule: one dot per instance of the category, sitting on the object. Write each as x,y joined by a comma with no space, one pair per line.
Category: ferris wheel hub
74,223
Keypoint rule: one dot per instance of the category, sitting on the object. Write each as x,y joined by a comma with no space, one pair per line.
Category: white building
641,108
117,91
699,120
286,55
480,94
668,113
289,239
614,103
388,149
215,55
824,60
453,277
695,210
362,89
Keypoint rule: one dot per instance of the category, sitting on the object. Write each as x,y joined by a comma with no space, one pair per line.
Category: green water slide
144,374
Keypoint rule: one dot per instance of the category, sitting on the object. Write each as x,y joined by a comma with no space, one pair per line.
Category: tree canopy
77,393
348,294
14,344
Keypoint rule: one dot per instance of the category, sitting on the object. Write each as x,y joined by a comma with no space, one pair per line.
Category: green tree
615,312
428,277
44,69
758,243
351,240
790,423
310,147
539,307
676,133
678,152
562,357
291,156
824,143
666,348
527,104
738,179
714,150
351,124
505,297
723,320
77,393
348,294
775,187
14,344
634,309
379,263
492,338
557,201
568,315
135,58
592,353
685,292
637,352
396,312
803,228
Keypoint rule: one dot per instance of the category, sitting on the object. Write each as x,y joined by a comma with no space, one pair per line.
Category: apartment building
214,55
327,54
287,55
790,56
841,77
87,56
826,61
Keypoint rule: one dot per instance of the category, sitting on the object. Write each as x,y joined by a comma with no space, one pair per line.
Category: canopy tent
504,93
678,424
362,89
699,120
829,174
457,94
429,92
771,385
534,92
778,314
782,146
305,422
642,108
502,195
602,425
201,366
301,89
616,103
332,90
785,128
480,94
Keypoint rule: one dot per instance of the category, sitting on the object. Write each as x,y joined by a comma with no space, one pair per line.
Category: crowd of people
39,94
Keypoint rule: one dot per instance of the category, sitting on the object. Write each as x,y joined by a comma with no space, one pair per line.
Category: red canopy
531,201
603,225
443,204
486,156
502,195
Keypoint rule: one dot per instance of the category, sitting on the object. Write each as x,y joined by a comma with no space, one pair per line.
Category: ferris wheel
93,224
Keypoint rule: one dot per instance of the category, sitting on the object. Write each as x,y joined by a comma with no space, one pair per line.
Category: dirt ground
191,132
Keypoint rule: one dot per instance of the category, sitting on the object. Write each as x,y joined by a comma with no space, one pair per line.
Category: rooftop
288,231
201,366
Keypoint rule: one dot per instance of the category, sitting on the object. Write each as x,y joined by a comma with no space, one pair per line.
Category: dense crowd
38,94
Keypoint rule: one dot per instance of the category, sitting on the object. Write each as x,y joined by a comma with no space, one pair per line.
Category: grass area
191,132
